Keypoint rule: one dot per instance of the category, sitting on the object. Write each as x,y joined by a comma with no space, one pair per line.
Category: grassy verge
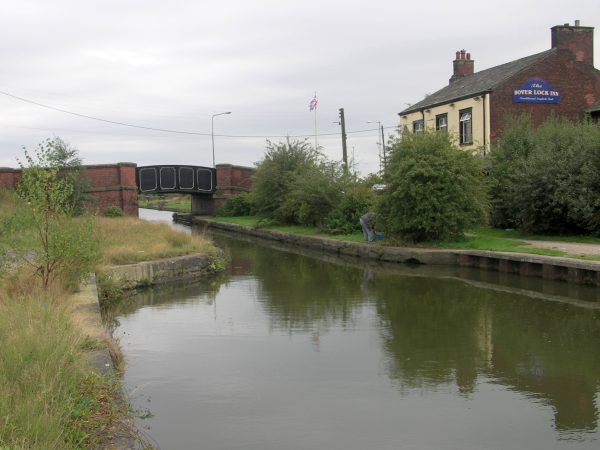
489,239
128,240
48,397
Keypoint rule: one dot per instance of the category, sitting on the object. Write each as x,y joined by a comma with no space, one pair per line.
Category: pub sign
536,90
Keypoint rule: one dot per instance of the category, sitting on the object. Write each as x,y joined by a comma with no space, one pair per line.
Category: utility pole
344,149
383,148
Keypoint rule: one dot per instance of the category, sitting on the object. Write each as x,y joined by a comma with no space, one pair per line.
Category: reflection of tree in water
432,332
553,352
439,331
302,293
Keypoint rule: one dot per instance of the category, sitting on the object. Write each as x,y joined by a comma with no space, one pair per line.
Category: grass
48,397
489,239
128,240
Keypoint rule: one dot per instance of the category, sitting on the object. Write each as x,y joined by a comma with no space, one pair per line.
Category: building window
466,126
441,122
417,126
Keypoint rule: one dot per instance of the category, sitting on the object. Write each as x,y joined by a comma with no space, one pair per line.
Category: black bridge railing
175,178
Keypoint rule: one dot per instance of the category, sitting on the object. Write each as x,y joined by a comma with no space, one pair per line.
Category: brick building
474,106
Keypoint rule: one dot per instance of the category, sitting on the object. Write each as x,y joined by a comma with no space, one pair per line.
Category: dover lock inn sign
536,90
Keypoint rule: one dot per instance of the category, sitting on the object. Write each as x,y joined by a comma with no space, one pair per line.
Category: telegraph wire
165,130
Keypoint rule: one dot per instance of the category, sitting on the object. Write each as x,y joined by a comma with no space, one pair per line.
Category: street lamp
212,132
380,127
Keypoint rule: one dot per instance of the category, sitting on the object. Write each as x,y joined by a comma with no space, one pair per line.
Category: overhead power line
165,130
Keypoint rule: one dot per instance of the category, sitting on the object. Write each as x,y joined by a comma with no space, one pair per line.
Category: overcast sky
172,64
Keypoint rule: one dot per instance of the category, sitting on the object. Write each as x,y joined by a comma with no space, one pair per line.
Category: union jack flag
313,103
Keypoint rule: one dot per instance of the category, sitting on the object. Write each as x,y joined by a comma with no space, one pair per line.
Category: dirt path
568,247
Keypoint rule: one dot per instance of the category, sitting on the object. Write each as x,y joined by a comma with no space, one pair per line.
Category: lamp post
380,127
212,133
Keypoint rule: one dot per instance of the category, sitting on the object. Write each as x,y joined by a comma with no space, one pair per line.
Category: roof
477,83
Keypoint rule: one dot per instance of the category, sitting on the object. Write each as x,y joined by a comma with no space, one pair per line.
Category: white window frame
465,126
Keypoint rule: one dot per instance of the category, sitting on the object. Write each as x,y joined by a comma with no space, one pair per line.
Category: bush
60,247
313,195
113,211
357,198
552,186
275,175
236,205
435,190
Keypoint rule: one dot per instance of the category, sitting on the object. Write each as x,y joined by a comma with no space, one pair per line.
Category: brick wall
113,185
110,185
8,177
578,83
232,180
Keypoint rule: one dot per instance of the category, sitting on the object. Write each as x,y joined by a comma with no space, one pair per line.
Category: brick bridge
118,185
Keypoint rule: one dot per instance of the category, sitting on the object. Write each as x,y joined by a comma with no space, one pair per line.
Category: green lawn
489,239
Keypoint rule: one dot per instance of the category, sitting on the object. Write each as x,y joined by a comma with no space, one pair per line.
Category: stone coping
550,267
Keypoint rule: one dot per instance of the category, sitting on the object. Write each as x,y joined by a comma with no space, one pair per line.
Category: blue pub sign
536,90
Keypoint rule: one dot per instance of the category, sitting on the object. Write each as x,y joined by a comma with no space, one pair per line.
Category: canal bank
546,267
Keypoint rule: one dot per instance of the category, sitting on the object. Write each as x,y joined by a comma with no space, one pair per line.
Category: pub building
475,105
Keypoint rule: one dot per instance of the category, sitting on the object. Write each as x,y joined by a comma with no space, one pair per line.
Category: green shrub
113,211
236,205
435,190
276,174
546,181
43,231
357,198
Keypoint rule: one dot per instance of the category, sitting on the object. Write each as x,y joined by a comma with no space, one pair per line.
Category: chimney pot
462,54
468,56
577,23
457,54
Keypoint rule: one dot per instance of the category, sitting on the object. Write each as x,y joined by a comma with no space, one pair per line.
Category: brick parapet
109,185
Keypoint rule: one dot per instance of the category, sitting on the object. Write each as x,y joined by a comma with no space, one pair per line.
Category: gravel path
567,247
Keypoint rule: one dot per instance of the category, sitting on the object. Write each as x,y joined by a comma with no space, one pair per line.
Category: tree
276,174
62,246
434,190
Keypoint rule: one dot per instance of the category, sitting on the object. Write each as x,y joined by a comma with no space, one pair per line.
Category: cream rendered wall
452,109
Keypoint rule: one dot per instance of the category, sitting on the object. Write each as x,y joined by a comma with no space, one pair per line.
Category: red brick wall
578,84
113,185
110,185
233,180
8,177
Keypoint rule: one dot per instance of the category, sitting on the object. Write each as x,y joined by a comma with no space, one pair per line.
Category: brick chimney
463,66
577,39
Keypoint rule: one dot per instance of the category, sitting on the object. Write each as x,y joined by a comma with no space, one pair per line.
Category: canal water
294,350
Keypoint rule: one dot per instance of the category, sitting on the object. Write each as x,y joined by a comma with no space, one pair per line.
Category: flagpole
316,144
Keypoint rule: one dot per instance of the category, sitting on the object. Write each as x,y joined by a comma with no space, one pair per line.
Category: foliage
435,190
236,205
356,199
113,211
547,181
276,174
313,194
507,159
62,246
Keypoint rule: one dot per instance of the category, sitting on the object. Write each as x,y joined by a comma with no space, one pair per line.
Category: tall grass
129,240
42,366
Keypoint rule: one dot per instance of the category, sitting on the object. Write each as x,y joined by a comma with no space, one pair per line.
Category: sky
173,65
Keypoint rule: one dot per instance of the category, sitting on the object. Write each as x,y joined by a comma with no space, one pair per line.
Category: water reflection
461,351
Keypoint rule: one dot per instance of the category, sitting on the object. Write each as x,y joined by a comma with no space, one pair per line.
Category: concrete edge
549,267
162,271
